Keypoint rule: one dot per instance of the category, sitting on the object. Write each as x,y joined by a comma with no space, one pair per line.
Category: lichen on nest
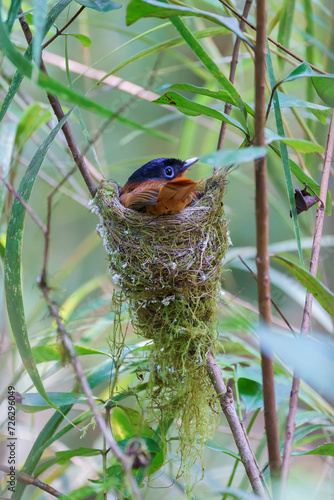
169,268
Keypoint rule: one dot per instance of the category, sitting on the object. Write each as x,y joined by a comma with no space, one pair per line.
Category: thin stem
124,460
262,242
28,208
253,275
227,404
58,111
290,423
234,63
59,32
24,478
279,45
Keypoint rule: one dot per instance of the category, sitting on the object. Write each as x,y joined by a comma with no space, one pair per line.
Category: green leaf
64,456
325,89
12,14
100,5
300,145
54,87
18,77
318,289
33,117
138,9
33,402
325,449
13,285
128,423
228,157
290,101
213,446
83,39
39,16
210,64
192,108
286,21
222,95
7,141
285,156
56,352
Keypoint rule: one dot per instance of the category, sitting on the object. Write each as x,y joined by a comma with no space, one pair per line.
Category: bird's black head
161,169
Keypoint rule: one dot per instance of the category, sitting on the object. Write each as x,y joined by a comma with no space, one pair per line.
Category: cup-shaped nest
169,268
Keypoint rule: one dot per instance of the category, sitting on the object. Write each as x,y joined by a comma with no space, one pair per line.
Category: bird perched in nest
158,187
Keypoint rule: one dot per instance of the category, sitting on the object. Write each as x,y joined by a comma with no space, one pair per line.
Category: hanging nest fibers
169,269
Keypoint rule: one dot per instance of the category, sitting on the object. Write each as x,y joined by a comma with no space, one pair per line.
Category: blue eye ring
169,172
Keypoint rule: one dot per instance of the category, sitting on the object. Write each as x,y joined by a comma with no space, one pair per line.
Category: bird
159,187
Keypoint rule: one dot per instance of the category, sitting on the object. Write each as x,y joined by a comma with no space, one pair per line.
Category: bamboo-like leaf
18,77
194,109
286,21
228,157
7,141
12,14
39,16
56,352
100,5
13,285
324,296
284,156
221,95
300,145
324,449
137,9
210,65
61,91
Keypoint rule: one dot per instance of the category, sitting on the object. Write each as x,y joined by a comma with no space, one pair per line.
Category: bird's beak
188,163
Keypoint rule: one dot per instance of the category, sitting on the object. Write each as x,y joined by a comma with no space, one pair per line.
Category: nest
169,269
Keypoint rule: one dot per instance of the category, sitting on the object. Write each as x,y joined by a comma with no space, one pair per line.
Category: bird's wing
178,189
141,196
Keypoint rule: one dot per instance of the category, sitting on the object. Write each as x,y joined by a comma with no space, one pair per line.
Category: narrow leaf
300,145
284,156
318,289
12,14
83,39
228,157
194,109
100,5
325,449
13,279
137,9
39,16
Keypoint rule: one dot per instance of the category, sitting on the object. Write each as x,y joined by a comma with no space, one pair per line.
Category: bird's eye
169,172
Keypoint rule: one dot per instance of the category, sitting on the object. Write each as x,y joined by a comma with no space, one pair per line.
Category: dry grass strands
169,268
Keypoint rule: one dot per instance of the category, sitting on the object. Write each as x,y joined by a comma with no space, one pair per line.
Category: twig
290,423
58,111
24,478
59,32
124,460
253,275
228,407
279,45
234,63
262,242
25,204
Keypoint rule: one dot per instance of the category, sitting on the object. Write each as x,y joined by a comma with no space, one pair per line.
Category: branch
125,461
227,405
24,478
59,32
234,63
262,242
279,45
319,223
58,111
28,208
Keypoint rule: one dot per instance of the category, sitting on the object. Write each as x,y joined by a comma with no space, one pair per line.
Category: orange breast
159,197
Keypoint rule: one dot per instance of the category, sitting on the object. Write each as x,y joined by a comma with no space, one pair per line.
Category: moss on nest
169,268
